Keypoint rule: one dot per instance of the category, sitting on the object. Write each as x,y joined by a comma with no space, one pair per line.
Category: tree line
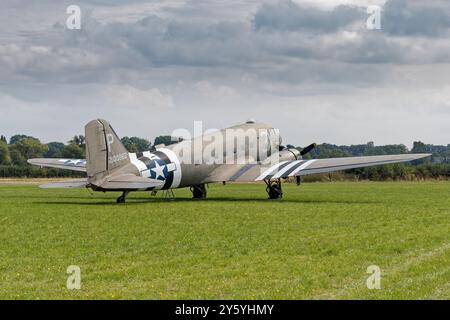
435,167
15,152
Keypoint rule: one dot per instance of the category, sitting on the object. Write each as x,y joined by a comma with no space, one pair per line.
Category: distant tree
5,158
17,158
3,139
16,138
73,151
166,140
55,150
400,171
135,144
387,149
26,148
79,140
419,147
326,150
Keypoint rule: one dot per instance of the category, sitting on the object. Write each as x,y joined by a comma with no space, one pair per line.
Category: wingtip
421,155
32,161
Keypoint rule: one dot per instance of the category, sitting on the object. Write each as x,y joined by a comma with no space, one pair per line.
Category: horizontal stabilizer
78,183
68,164
130,181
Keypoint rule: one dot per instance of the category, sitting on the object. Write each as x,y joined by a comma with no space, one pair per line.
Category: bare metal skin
214,157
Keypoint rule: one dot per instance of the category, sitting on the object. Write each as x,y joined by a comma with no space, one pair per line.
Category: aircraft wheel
274,189
122,198
199,191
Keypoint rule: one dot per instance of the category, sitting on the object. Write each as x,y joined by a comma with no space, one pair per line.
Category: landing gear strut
122,198
274,189
199,191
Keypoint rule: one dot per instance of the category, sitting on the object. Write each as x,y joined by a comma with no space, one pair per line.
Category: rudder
104,150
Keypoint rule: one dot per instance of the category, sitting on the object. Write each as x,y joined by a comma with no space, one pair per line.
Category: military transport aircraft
110,167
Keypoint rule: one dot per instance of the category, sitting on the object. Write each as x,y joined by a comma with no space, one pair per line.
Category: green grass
314,244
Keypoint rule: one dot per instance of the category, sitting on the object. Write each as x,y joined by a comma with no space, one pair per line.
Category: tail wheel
123,197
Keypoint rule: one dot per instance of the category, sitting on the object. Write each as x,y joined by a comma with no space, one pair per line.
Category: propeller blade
308,149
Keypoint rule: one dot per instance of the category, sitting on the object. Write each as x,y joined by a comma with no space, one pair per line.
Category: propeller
308,149
288,146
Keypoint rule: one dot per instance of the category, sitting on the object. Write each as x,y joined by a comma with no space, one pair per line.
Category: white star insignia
158,170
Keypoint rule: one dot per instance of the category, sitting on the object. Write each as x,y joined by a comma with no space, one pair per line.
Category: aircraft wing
68,164
285,169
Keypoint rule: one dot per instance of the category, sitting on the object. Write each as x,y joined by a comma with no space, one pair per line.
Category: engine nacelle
290,154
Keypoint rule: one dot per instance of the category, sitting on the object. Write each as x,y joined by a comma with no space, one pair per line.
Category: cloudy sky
309,67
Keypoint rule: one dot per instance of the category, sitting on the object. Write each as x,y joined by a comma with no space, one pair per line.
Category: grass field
314,244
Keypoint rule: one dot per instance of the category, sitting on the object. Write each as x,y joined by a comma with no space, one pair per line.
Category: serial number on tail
118,158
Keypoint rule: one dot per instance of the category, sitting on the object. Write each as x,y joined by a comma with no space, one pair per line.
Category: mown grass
314,244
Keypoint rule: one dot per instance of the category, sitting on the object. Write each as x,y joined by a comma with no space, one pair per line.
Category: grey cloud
289,16
416,18
277,33
223,62
190,42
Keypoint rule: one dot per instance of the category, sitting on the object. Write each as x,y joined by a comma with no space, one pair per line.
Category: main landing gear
199,191
122,198
274,189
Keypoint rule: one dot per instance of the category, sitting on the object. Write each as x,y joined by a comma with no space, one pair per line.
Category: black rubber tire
275,192
199,191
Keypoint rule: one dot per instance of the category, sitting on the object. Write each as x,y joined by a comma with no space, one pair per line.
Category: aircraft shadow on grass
142,200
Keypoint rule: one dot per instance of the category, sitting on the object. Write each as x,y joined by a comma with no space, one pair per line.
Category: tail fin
104,150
